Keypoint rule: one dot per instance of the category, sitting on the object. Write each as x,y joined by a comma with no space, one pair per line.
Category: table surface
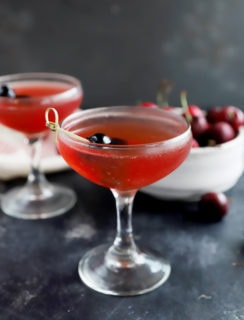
38,260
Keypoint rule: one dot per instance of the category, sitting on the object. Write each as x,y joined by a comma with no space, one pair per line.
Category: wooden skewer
54,126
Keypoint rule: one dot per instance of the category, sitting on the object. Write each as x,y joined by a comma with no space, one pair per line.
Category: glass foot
33,202
146,273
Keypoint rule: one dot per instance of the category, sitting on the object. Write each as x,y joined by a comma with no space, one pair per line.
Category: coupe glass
146,145
24,111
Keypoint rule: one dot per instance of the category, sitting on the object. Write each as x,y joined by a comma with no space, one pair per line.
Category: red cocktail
25,113
23,101
131,166
123,149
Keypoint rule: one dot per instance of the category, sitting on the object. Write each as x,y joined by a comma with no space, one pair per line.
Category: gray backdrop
120,50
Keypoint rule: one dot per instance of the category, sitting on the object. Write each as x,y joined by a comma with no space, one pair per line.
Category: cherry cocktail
24,111
23,100
123,148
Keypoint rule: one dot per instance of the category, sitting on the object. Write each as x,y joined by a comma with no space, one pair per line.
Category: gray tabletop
38,260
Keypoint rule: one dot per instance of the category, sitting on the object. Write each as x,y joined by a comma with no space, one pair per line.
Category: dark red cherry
199,127
102,138
148,104
215,114
220,132
99,138
6,91
234,116
213,206
195,111
231,114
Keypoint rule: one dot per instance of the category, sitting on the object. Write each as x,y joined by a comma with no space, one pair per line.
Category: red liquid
125,168
27,115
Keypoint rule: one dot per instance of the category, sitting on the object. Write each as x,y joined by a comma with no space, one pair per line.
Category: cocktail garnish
6,91
100,138
54,126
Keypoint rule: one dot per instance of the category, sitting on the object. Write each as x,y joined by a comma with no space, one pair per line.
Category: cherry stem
164,89
54,126
185,106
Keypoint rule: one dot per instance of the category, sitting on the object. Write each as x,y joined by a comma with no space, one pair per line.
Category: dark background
120,50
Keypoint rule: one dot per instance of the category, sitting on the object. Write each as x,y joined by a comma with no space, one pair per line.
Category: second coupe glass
23,101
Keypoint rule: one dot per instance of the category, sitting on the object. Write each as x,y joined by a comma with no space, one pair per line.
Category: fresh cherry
231,114
234,116
214,114
6,91
213,206
199,127
148,104
220,132
195,111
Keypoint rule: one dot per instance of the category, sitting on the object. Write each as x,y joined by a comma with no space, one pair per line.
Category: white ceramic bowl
205,169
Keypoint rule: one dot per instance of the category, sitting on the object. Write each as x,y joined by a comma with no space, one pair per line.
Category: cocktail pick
55,127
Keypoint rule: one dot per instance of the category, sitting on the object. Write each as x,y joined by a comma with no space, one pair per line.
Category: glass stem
35,177
124,252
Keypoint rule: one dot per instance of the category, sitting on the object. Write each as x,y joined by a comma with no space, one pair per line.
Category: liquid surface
129,130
